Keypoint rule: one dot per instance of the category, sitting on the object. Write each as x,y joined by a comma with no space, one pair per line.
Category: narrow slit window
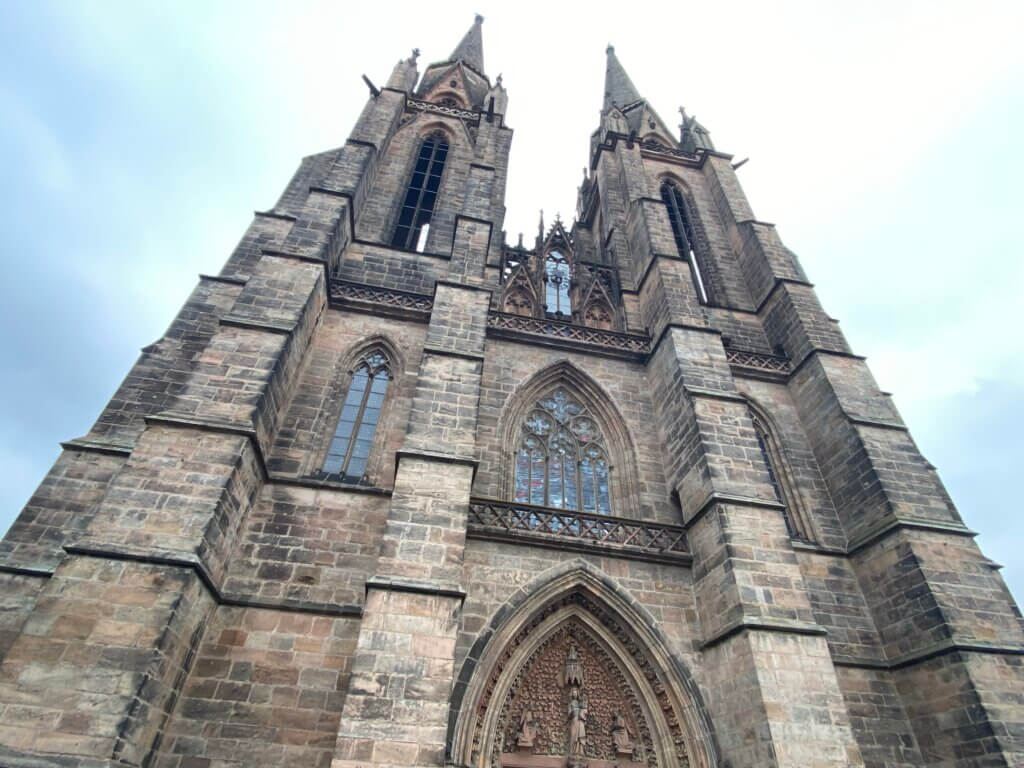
349,449
421,195
682,231
773,463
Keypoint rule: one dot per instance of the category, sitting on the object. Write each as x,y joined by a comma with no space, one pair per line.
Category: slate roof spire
618,88
471,48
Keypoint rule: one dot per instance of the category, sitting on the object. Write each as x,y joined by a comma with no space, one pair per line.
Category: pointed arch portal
577,674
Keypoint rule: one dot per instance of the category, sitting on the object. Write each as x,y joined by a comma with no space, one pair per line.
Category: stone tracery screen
562,461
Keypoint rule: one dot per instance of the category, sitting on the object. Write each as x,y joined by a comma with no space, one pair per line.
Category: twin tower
391,491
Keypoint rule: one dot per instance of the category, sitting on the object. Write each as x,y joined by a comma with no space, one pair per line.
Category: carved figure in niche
573,673
577,723
527,729
621,735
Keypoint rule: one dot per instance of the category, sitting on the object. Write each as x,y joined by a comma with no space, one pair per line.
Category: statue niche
570,706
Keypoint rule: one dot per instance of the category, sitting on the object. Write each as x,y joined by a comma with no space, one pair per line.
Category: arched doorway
577,676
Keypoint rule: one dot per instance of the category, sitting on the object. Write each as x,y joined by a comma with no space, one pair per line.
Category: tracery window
350,446
556,273
682,231
562,461
421,194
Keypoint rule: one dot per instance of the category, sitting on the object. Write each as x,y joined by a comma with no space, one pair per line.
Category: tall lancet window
556,274
682,230
421,195
562,461
775,463
353,436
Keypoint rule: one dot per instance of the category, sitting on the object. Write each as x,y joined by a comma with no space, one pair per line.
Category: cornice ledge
187,420
863,422
91,547
275,215
237,321
717,497
886,527
952,645
294,254
94,547
815,351
446,458
714,394
417,586
112,447
21,570
224,279
760,624
943,647
434,349
780,281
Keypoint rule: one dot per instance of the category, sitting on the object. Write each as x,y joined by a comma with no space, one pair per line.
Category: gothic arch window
562,460
682,231
556,279
421,194
780,477
349,449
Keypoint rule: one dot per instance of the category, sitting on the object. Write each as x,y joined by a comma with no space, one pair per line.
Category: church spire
471,48
618,88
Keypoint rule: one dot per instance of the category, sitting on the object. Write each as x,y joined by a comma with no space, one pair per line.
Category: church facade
392,491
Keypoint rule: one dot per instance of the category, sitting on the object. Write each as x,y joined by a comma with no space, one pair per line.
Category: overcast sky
137,138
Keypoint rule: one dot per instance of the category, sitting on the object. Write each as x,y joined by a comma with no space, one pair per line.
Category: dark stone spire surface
471,48
618,88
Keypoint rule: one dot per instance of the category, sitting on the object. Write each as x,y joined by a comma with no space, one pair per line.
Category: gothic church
392,491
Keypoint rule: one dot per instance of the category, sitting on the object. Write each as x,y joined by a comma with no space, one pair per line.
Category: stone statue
573,672
527,729
577,723
621,736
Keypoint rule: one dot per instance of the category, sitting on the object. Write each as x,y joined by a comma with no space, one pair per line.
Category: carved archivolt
521,701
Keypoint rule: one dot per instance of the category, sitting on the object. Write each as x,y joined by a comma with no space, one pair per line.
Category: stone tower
391,491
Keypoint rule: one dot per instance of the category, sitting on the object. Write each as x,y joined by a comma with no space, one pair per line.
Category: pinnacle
618,88
471,48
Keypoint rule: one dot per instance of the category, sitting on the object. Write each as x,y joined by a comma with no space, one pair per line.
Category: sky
137,138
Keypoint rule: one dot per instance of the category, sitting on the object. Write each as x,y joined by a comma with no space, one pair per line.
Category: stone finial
479,19
415,54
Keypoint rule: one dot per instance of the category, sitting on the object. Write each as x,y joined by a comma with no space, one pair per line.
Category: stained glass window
349,449
556,270
682,231
561,461
421,194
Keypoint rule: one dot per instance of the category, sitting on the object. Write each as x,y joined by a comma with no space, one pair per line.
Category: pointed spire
471,48
618,88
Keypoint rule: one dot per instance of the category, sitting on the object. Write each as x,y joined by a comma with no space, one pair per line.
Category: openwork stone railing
426,106
757,360
564,529
558,329
359,293
659,149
